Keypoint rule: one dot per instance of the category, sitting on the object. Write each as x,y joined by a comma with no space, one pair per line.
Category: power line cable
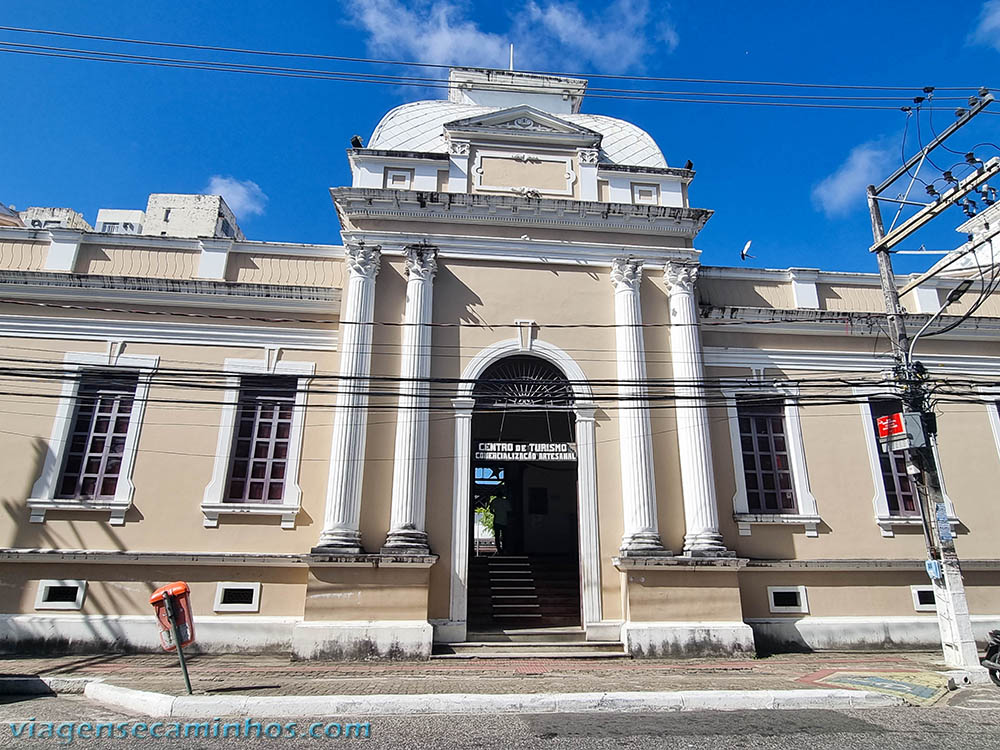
443,66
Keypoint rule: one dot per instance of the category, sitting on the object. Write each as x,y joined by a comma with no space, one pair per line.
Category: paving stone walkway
279,675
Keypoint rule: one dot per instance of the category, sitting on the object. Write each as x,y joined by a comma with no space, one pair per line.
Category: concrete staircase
525,607
523,592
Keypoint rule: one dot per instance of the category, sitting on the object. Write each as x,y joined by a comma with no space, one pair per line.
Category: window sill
40,506
886,523
745,520
212,511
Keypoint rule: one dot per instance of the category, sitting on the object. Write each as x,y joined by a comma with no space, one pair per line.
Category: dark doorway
524,571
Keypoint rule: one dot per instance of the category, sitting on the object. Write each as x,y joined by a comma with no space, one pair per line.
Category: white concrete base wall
381,639
778,634
213,634
688,638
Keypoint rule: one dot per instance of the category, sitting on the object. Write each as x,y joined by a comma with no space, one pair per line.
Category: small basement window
923,598
55,594
237,597
787,599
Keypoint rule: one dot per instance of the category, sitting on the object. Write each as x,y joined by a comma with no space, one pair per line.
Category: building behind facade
516,337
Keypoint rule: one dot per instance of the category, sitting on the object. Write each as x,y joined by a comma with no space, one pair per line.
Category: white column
701,512
635,439
407,532
342,519
460,529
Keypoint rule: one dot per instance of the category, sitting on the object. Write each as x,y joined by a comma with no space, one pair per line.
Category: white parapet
365,639
95,633
781,634
688,638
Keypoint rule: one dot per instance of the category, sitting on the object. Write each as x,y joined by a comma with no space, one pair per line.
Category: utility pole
957,640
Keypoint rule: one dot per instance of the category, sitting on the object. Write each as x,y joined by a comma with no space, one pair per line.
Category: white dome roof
419,126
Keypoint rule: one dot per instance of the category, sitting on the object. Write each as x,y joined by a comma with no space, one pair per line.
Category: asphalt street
970,722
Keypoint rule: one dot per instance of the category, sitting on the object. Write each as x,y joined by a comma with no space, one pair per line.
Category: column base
706,544
339,542
406,541
642,544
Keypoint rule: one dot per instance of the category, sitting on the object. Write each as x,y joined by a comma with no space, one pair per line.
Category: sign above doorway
525,451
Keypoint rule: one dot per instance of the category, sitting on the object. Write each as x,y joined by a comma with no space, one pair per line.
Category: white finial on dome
512,56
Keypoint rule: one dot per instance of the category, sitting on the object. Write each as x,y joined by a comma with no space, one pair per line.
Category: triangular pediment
525,121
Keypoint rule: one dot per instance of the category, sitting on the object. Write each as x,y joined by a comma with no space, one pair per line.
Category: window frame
47,583
214,502
45,490
917,606
883,518
220,590
801,609
808,513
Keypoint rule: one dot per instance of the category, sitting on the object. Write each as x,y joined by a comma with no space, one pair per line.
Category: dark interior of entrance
524,571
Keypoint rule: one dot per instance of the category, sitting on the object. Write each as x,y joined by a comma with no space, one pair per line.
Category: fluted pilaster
701,512
407,532
342,518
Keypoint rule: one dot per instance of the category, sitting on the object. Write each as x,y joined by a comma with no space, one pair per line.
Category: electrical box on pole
914,428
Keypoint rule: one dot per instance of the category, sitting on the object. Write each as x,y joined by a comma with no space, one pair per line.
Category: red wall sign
891,425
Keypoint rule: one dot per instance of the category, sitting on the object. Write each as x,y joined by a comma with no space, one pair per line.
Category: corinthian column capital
421,261
680,277
626,274
364,260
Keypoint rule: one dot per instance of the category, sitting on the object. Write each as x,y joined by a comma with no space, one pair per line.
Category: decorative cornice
367,204
626,274
458,148
680,278
364,260
421,261
169,292
588,155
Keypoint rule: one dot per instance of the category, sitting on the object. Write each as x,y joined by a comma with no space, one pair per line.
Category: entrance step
490,649
523,592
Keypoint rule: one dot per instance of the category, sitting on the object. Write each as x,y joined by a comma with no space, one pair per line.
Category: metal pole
168,602
957,641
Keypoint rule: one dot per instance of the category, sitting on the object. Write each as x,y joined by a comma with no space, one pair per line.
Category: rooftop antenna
511,56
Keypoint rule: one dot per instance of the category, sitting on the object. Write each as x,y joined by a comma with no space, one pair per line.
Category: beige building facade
512,400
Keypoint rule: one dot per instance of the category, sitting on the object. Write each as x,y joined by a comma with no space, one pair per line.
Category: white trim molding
885,520
584,407
43,494
170,332
802,608
213,502
220,594
808,513
47,584
991,397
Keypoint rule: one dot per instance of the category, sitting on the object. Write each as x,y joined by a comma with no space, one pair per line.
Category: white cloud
987,31
244,197
547,34
564,33
844,190
427,33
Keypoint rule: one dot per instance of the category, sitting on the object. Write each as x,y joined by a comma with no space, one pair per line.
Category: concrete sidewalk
914,676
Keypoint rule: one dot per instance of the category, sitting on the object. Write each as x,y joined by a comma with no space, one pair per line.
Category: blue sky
89,135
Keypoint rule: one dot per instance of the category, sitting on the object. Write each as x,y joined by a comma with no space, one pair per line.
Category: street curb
37,685
209,707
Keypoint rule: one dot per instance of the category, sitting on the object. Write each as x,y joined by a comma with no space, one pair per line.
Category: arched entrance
583,409
524,571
